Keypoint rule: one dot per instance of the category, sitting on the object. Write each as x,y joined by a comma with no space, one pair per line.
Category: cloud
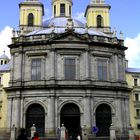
80,17
5,39
133,52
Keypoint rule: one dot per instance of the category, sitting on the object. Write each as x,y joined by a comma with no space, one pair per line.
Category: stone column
16,112
86,65
12,68
84,132
116,66
87,109
112,132
13,133
9,112
88,112
51,116
21,112
87,118
52,64
131,133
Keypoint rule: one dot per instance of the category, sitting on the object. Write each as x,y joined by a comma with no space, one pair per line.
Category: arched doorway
35,115
70,117
103,119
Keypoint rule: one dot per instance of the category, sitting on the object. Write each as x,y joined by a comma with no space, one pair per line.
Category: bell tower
62,8
98,16
31,13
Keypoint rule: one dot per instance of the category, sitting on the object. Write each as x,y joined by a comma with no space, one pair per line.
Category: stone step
99,138
47,138
5,138
4,135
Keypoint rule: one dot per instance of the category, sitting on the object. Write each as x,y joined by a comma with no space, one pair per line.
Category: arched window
99,21
30,19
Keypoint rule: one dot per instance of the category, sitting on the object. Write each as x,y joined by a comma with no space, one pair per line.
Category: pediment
69,36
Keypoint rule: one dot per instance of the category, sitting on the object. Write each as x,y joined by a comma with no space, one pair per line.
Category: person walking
22,135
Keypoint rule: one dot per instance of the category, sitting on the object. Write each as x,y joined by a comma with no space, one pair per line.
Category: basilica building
66,72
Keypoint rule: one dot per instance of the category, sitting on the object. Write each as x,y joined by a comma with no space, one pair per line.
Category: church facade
66,72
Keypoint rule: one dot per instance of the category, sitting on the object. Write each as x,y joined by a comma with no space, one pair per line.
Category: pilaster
51,116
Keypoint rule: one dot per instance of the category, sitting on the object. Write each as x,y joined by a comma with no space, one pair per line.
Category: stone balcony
46,37
68,83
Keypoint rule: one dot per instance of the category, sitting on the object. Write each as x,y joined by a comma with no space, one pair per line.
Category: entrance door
103,119
70,117
35,115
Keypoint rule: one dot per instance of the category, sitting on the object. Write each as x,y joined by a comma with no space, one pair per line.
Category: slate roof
59,25
5,67
133,70
62,22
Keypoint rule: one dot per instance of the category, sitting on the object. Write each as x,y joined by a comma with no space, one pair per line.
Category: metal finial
97,1
114,32
4,51
121,35
53,27
14,32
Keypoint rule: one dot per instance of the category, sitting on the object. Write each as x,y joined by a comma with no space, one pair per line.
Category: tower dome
4,59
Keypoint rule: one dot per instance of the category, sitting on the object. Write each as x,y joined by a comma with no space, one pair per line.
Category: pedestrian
35,137
22,135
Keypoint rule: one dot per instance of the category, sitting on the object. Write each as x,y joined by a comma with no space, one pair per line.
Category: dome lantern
62,8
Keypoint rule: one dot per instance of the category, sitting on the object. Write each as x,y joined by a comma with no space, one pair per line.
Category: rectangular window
102,69
70,69
137,112
136,97
138,126
62,9
135,82
54,10
0,80
36,69
70,10
1,62
5,62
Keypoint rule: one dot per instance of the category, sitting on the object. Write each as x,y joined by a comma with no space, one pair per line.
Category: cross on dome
97,1
32,0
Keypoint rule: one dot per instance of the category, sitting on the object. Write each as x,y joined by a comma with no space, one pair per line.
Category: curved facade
74,74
